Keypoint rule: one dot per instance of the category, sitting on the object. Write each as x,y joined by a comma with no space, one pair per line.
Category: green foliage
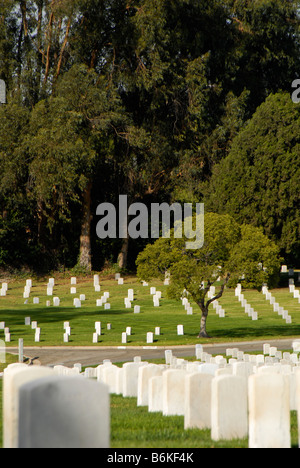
230,252
255,259
257,183
107,97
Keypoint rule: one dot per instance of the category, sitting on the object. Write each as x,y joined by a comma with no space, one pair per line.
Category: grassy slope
236,325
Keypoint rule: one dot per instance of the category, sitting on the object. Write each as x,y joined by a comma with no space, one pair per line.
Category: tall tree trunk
123,255
205,306
85,256
203,332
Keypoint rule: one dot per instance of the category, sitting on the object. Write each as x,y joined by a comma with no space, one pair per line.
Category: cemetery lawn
134,427
236,326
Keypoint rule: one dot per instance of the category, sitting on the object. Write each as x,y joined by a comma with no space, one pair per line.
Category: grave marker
197,413
145,373
269,411
173,392
149,337
14,377
64,412
229,408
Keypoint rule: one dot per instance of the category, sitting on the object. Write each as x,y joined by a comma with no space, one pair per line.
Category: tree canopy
136,97
231,253
258,182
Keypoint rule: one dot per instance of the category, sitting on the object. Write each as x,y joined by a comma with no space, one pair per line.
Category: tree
258,182
230,253
69,139
17,235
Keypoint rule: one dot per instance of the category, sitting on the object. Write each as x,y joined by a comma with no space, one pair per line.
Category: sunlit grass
235,326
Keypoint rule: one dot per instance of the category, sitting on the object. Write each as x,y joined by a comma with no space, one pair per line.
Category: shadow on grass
16,317
283,331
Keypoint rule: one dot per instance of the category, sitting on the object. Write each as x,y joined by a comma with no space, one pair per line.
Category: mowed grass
135,427
236,326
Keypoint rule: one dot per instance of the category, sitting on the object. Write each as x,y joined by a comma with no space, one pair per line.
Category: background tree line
168,100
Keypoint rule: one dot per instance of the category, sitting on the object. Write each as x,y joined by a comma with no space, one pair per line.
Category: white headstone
95,337
149,337
130,379
173,392
64,412
37,335
229,408
130,294
155,394
14,377
56,301
197,413
269,411
145,373
110,374
168,356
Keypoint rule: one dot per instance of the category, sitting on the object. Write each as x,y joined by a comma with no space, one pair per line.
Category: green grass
236,326
131,426
134,427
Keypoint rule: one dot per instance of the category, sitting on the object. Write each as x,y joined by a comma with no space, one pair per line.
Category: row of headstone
276,306
150,335
98,331
244,396
156,296
50,286
185,302
7,336
219,309
249,310
6,332
119,279
167,278
295,292
43,408
34,326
